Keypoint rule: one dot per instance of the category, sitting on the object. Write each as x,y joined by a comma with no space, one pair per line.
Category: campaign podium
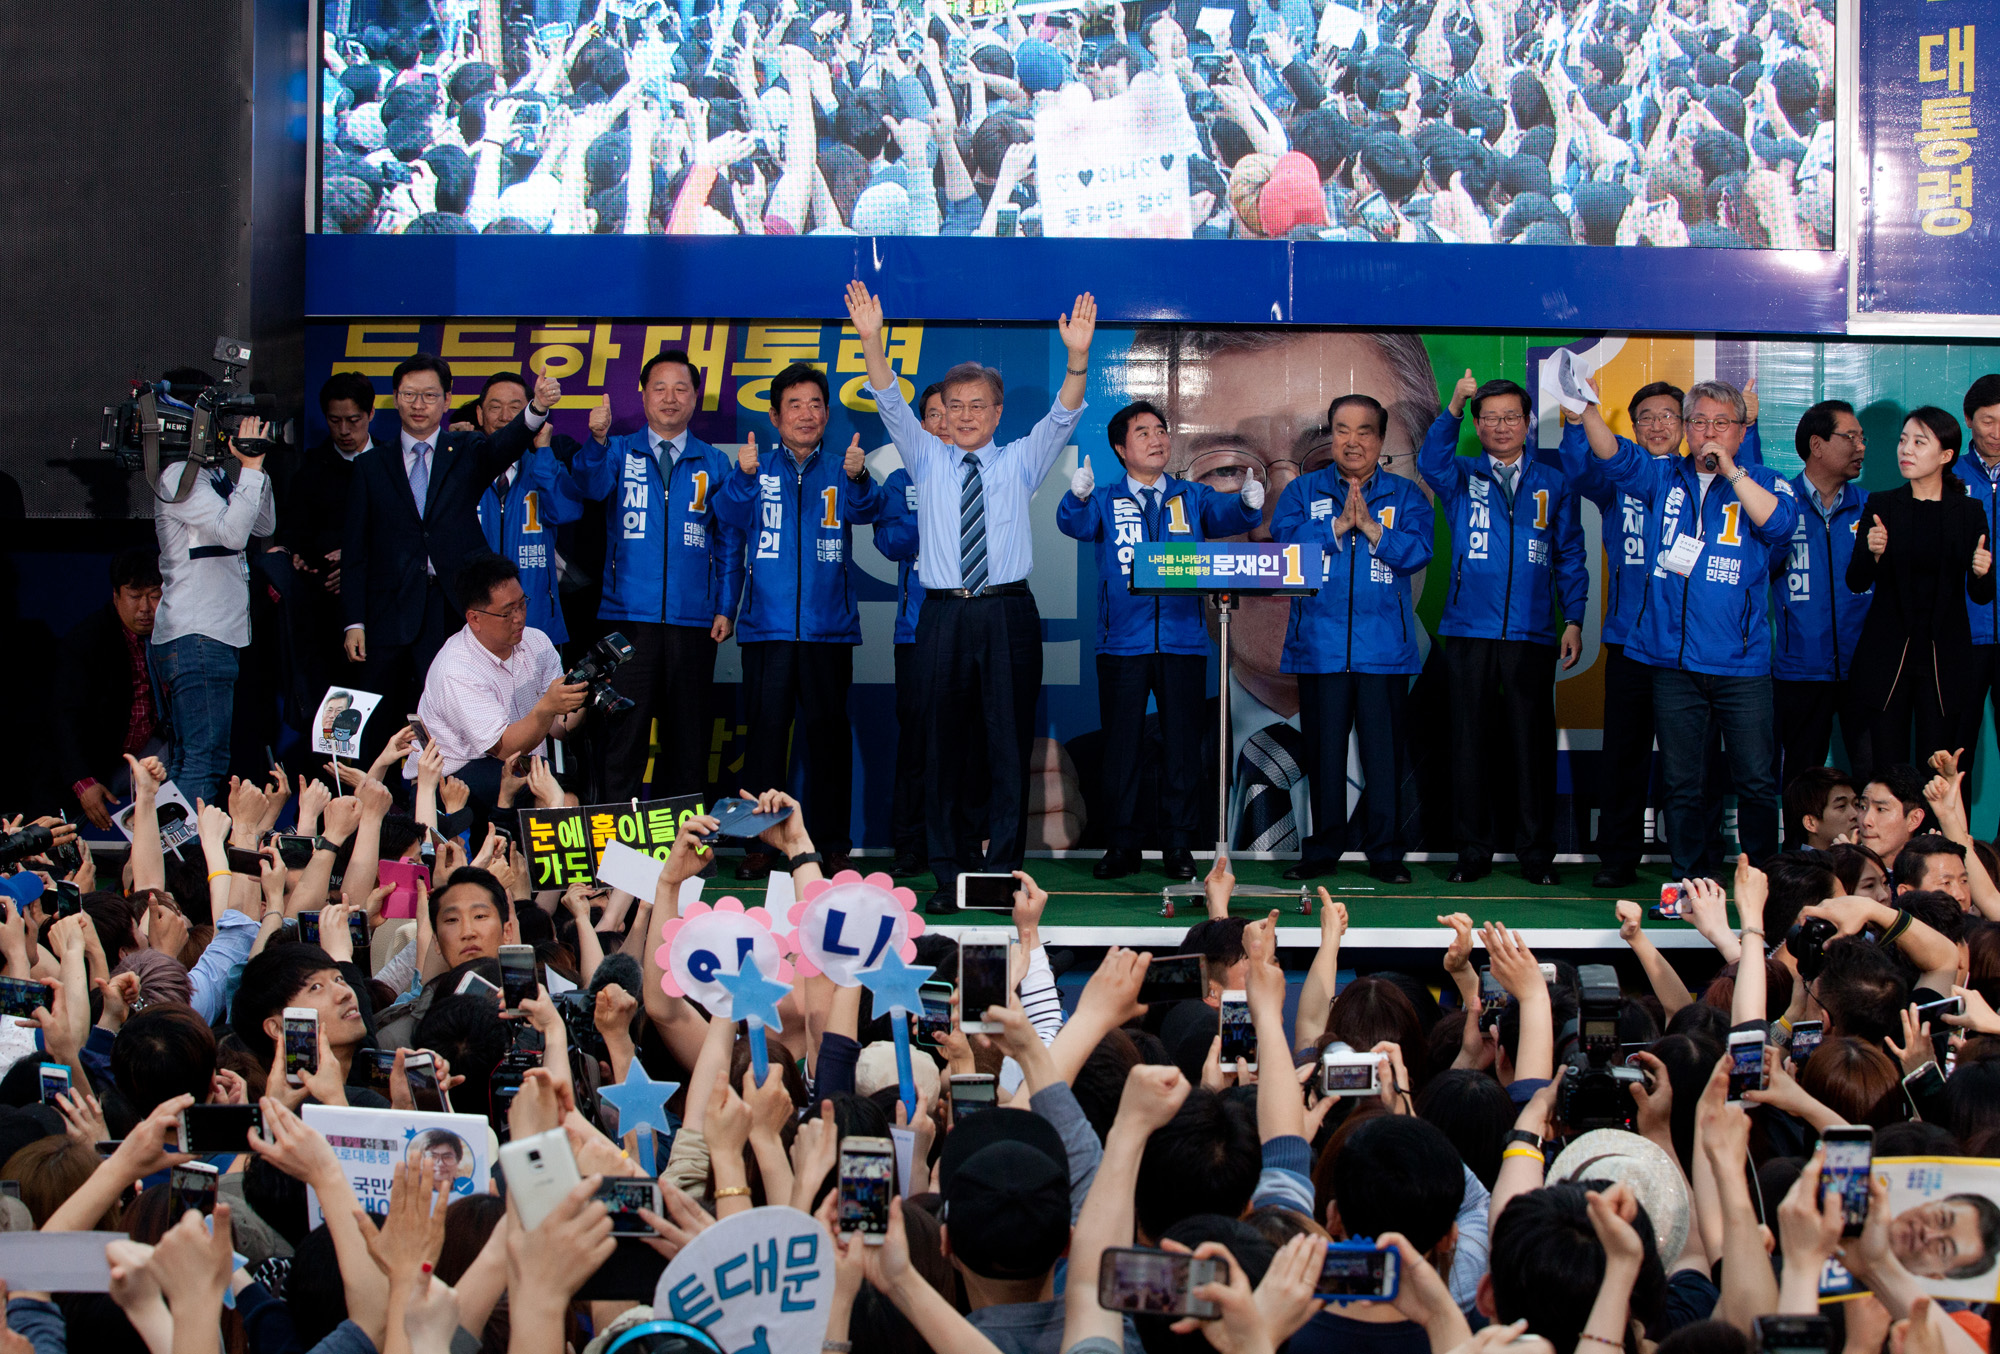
1223,571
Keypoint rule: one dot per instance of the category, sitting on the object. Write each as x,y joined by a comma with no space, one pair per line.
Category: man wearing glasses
496,689
412,521
1518,568
1712,528
1625,774
1818,619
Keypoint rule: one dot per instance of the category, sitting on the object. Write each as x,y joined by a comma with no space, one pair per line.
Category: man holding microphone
1155,646
979,640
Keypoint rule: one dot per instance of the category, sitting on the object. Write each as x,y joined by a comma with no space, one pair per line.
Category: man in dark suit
312,524
412,520
104,701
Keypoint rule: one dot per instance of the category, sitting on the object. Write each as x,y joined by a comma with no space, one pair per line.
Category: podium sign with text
1168,568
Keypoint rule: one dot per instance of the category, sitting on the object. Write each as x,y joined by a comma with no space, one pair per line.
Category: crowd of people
1682,122
1687,1212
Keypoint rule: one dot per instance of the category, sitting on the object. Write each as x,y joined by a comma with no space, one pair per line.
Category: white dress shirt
1009,476
471,694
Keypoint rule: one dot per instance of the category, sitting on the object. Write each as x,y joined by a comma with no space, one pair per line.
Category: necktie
1270,768
1152,497
420,475
971,527
1507,474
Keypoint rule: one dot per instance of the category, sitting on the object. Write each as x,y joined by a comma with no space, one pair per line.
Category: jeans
197,677
1687,706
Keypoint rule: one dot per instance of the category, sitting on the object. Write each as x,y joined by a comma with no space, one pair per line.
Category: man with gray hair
1712,530
979,638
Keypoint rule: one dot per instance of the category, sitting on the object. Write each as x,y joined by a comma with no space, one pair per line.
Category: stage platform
1088,913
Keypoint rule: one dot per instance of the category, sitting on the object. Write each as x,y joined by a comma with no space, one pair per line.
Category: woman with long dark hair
1925,551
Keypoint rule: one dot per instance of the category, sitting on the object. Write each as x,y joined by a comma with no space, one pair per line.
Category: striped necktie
971,527
1269,766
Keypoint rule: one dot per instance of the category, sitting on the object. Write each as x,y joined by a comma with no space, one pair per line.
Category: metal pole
1224,602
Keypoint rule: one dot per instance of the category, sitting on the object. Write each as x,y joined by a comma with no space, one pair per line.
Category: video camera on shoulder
605,657
167,421
1597,1093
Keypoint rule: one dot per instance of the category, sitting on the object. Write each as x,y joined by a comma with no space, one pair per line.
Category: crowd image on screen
1678,122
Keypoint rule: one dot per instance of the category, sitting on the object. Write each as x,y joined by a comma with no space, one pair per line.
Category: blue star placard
640,1101
895,984
752,996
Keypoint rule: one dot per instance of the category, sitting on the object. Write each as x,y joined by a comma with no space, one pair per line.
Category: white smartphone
420,1071
540,1170
55,1081
987,892
301,1044
1239,1039
1748,1070
473,982
517,975
982,982
867,1183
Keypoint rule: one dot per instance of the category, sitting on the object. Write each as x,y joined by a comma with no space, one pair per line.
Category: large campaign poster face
1241,403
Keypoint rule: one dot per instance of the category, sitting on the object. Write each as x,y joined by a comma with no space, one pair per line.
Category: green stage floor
1087,911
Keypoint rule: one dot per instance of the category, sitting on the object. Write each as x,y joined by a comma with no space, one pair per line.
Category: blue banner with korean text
1927,241
1176,567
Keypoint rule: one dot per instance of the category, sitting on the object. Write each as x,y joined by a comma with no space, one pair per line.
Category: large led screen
1681,122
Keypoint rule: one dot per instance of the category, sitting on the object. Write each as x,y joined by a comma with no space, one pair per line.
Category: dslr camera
164,421
605,657
1597,1093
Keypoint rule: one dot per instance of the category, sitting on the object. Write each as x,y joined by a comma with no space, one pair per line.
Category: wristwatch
1522,1136
803,858
323,843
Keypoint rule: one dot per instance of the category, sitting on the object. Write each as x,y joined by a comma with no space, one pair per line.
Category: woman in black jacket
1925,552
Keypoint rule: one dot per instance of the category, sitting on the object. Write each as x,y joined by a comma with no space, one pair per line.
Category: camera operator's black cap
1005,1179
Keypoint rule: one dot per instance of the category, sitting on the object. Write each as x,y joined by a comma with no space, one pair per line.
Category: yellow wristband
731,1192
1522,1152
214,875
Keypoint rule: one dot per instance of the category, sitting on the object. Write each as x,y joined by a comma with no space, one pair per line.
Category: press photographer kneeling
497,688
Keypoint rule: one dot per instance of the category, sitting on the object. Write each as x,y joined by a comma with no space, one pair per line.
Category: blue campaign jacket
668,558
1115,518
1363,618
1518,572
1714,619
797,521
1818,619
896,538
522,525
1624,523
1971,472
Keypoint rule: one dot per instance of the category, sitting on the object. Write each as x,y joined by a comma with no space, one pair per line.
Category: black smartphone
1356,1271
209,1129
294,851
1790,1334
68,898
193,1184
1849,1164
308,928
1159,1283
934,1021
20,997
1806,1036
623,1197
377,1064
1174,977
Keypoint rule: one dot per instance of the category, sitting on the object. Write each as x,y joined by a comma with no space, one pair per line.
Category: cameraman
496,688
204,615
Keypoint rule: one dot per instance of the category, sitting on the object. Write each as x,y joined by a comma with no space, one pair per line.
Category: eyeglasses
421,396
963,407
1702,425
512,613
1857,438
1501,420
1656,420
